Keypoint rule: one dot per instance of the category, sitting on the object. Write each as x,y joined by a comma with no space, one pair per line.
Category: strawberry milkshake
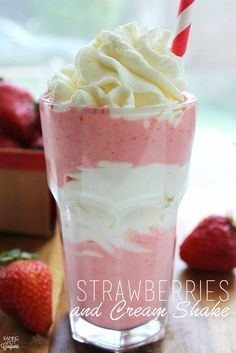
118,128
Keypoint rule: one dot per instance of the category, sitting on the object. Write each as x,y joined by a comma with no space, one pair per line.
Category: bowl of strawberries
26,204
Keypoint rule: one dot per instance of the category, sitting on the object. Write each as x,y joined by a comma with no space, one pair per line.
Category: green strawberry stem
231,219
232,222
15,254
1,78
36,106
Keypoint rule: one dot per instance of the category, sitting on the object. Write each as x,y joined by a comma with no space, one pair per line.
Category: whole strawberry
212,245
26,290
17,112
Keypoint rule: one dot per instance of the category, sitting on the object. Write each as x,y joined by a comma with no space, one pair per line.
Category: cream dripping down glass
118,128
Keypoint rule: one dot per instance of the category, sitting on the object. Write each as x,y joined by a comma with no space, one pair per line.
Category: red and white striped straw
184,22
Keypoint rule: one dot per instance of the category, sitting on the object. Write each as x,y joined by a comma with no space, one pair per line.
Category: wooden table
189,334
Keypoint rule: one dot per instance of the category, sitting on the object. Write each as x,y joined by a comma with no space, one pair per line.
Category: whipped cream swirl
129,67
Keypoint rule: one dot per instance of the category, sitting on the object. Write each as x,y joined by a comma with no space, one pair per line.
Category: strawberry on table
212,245
18,116
26,290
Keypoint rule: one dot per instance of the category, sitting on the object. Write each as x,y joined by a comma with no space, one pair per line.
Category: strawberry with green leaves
26,290
212,245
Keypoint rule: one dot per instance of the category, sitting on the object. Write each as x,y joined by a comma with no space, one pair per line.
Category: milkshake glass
118,176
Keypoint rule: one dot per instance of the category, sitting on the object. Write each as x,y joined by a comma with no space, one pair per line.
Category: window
39,37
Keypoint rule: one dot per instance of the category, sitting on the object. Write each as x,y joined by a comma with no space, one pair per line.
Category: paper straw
184,21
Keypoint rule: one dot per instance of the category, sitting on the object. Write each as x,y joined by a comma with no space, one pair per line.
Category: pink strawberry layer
153,264
81,138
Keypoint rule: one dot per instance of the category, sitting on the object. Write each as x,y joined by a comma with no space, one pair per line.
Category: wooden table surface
189,334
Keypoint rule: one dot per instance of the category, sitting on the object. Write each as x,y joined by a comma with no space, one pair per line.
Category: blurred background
37,38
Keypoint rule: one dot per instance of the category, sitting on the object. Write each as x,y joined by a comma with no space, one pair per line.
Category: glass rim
190,99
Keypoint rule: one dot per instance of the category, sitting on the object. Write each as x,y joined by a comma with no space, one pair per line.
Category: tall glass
118,176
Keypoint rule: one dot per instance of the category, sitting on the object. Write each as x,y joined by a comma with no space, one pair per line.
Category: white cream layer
103,204
131,66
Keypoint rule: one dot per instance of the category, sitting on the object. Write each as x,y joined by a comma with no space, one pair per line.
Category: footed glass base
117,340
